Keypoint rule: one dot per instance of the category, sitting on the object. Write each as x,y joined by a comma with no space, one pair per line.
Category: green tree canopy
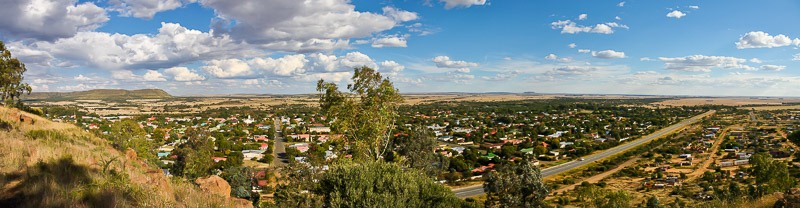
366,114
517,185
381,184
128,134
11,70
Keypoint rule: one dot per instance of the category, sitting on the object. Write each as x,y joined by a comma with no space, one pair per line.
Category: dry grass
47,164
727,101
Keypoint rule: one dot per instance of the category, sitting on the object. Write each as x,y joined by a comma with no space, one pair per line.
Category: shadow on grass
59,183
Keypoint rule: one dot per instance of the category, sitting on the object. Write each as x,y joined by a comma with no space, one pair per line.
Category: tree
653,202
11,70
194,156
366,115
771,175
382,184
418,151
240,179
127,134
517,185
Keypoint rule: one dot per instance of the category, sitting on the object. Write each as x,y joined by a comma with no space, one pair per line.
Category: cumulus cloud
584,50
296,66
796,57
184,74
608,54
390,41
760,39
445,62
755,60
676,14
502,76
571,70
228,68
772,67
391,67
572,45
702,63
153,76
570,27
583,16
145,9
449,4
399,15
621,4
172,46
49,20
694,7
551,57
290,25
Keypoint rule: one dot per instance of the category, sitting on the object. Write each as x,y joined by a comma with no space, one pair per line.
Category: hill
48,164
100,94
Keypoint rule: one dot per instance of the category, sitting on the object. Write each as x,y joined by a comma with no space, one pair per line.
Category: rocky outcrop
216,185
790,199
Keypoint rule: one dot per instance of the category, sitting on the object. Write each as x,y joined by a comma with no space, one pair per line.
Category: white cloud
617,18
49,20
755,60
445,62
184,74
572,45
551,57
285,66
760,39
694,7
608,54
228,68
290,25
391,41
399,15
391,67
153,76
676,14
702,63
172,46
145,9
570,27
796,57
449,4
571,70
772,67
583,16
584,50
621,4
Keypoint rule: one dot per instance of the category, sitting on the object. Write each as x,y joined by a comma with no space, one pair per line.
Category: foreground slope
48,164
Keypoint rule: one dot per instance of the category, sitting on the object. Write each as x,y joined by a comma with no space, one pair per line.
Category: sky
204,47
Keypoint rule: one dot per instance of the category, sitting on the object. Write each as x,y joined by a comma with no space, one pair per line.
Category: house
685,156
489,156
320,129
527,151
302,147
163,154
488,145
554,153
565,144
460,150
218,159
264,146
250,154
260,138
446,138
601,140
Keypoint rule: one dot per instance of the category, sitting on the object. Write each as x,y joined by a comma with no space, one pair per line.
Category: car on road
581,159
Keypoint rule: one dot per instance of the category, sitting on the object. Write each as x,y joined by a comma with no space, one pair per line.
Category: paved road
278,147
555,170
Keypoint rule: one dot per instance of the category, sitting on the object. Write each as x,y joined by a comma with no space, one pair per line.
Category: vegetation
517,185
11,70
366,115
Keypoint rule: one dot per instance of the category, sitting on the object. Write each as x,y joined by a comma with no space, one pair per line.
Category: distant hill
100,94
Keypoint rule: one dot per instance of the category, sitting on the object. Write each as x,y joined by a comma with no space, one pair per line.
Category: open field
732,101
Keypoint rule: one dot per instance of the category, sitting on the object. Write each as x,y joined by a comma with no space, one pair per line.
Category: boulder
130,154
241,203
790,199
215,184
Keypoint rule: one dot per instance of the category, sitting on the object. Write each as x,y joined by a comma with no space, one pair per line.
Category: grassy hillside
48,164
100,94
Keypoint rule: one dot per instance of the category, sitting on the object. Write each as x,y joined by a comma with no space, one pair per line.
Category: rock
130,154
790,199
216,185
241,203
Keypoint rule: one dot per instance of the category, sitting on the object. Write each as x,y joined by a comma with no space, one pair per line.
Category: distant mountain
100,94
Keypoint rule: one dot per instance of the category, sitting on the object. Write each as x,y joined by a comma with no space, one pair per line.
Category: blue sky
195,47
